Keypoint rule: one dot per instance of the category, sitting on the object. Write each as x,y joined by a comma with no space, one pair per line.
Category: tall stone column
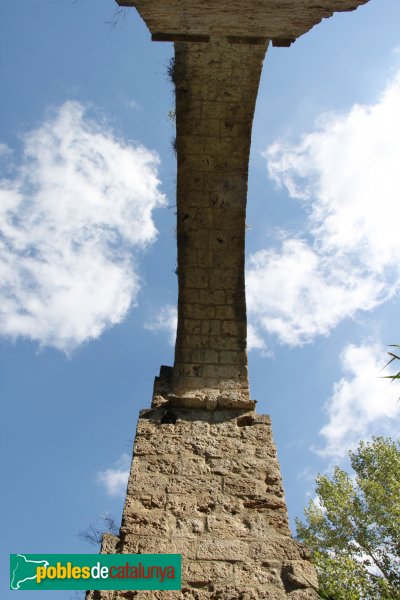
216,89
205,478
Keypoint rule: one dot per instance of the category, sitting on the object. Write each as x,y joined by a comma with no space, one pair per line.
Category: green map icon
95,571
23,569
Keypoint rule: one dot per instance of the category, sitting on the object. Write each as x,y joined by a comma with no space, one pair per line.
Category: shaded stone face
277,20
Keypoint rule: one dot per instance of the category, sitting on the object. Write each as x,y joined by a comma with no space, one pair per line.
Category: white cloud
362,403
297,293
4,150
346,174
166,320
133,104
116,479
254,341
80,201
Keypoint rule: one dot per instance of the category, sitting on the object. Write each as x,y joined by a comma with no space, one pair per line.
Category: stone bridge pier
205,479
216,90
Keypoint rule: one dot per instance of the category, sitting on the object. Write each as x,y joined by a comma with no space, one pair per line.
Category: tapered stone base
207,485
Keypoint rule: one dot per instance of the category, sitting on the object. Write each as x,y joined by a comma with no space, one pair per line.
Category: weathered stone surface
215,93
249,22
214,503
109,543
299,574
207,571
205,385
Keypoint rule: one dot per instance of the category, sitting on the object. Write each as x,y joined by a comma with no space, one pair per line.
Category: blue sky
87,253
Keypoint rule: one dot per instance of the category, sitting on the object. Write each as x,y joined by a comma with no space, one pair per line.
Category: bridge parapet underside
251,21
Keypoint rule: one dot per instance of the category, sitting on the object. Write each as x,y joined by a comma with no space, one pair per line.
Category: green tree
353,530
